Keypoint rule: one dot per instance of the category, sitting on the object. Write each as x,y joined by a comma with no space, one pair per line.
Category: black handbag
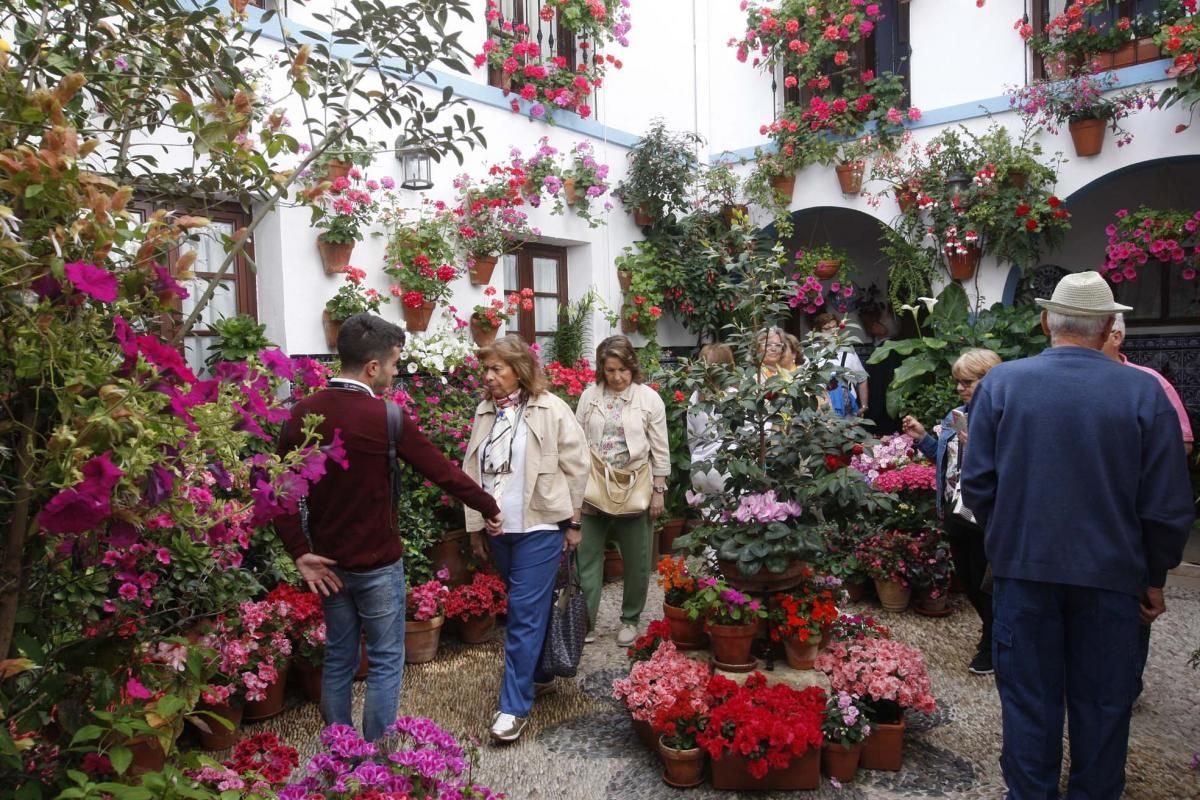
568,625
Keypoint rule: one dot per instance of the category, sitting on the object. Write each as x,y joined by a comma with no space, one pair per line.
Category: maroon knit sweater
349,515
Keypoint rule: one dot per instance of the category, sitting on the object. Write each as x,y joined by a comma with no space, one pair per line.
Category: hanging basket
627,325
482,333
417,319
642,217
1088,136
624,279
784,185
569,191
421,639
825,270
850,176
906,199
335,256
332,329
481,270
962,265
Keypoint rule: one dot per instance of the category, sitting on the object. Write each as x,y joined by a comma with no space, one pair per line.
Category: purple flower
278,363
387,182
95,282
120,63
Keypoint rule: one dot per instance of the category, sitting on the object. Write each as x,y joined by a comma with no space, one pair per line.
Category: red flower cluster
767,725
485,594
570,380
264,755
802,613
644,646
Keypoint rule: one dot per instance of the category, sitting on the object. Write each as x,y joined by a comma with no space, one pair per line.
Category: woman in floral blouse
626,425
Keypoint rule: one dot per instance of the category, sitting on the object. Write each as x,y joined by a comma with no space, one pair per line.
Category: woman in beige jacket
626,425
528,451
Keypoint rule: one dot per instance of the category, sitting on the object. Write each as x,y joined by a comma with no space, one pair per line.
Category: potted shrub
1166,236
663,168
798,618
351,299
731,619
677,725
896,678
424,610
654,684
476,604
254,648
931,576
1086,104
741,734
679,585
845,729
341,213
486,319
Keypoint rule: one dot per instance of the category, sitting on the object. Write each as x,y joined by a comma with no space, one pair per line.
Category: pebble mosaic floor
579,744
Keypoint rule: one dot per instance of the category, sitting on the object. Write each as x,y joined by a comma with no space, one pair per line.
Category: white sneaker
627,635
507,728
591,637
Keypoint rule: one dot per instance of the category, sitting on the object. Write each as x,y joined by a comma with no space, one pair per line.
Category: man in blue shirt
1075,468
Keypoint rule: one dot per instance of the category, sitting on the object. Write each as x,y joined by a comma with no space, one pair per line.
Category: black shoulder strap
395,425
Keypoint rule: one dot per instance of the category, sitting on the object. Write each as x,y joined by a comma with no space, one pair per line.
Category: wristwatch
573,525
660,490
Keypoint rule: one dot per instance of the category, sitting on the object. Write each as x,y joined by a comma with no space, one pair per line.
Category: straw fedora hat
1083,294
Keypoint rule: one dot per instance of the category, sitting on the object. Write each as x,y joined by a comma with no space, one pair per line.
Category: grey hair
1076,327
1119,322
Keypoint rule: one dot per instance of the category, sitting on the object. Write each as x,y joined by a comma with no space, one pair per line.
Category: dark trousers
1143,653
1054,643
970,564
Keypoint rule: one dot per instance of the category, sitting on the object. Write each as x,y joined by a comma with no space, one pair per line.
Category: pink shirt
1172,395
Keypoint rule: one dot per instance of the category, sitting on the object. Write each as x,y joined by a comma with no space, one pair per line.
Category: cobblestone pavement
579,744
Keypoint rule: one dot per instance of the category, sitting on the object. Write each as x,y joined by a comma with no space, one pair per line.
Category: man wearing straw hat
1076,470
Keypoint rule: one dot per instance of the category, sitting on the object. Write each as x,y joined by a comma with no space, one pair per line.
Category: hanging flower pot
732,772
827,269
850,176
628,325
335,256
682,769
530,187
642,217
893,595
477,629
309,677
840,762
421,639
624,279
272,703
481,269
218,737
417,319
1146,50
1125,55
686,633
1088,136
728,213
1018,179
801,655
731,646
332,328
483,333
884,747
905,198
569,191
784,185
962,265
336,168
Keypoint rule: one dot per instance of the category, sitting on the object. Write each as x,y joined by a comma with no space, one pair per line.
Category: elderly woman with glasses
965,536
528,451
771,347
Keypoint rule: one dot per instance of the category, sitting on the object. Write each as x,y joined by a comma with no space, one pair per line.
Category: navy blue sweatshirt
1075,468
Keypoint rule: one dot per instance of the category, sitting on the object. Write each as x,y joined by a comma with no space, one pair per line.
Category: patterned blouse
613,448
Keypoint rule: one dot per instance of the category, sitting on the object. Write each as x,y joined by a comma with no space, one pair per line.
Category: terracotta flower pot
482,332
1125,55
906,199
731,645
337,168
893,595
417,319
855,590
682,769
1088,136
148,755
624,279
627,325
850,176
732,772
272,703
1101,61
645,734
477,630
784,185
530,187
764,580
840,762
686,633
1018,179
962,265
569,191
614,565
642,217
335,256
931,606
331,330
668,533
364,665
220,737
884,747
481,270
450,553
1146,50
421,639
801,655
309,678
825,270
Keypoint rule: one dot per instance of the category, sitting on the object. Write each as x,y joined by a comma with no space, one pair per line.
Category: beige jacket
645,420
556,460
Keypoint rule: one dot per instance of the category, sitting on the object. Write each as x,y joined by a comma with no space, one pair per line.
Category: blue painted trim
463,87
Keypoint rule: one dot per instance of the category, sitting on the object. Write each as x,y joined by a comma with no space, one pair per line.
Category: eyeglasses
966,384
774,346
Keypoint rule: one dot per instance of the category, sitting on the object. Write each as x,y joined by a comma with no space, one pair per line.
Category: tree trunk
14,548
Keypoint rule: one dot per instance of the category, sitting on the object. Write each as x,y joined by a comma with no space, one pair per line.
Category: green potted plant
663,169
338,160
238,338
341,213
825,263
719,191
351,298
486,319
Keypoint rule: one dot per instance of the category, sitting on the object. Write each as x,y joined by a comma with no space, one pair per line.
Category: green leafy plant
238,338
662,172
352,298
570,340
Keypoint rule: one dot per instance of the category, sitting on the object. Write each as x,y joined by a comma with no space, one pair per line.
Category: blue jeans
372,602
1052,642
528,562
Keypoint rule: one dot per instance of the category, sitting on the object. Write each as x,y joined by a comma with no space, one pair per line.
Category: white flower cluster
436,352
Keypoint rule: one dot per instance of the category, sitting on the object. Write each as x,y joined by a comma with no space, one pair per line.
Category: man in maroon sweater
354,559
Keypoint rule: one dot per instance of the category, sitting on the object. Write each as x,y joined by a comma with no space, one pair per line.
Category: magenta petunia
277,361
95,282
72,511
